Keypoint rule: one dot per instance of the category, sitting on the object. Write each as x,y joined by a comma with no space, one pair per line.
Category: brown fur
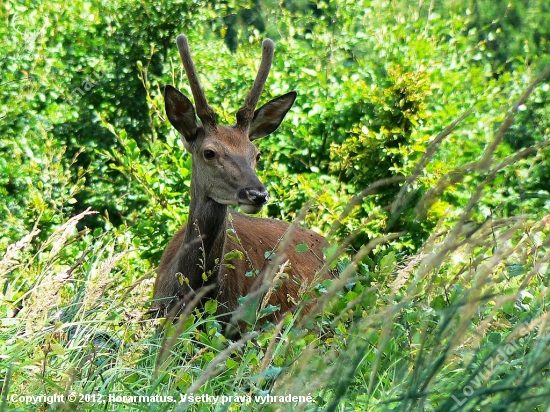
224,161
256,237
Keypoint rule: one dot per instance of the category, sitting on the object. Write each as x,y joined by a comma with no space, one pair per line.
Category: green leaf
211,306
272,372
252,273
438,303
302,247
269,310
57,349
387,263
494,337
247,309
515,270
231,363
234,254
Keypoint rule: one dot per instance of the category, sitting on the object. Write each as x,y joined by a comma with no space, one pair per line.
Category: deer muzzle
252,200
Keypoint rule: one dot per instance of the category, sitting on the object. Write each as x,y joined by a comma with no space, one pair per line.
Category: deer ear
181,113
268,117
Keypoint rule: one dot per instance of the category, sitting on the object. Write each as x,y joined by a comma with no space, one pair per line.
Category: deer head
224,157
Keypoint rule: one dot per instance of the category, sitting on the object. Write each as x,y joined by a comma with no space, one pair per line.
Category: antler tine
204,111
246,112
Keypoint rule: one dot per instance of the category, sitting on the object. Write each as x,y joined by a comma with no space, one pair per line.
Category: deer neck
204,239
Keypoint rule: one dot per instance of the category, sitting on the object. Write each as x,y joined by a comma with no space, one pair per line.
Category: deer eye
209,154
258,157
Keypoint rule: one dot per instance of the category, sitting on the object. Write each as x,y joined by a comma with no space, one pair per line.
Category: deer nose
258,197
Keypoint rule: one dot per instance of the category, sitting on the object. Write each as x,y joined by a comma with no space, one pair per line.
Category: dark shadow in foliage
119,97
245,19
508,28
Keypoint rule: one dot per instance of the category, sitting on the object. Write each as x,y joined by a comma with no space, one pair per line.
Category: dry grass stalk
9,259
99,279
272,284
269,350
404,273
60,236
43,297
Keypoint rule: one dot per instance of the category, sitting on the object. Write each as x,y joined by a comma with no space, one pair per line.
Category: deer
223,176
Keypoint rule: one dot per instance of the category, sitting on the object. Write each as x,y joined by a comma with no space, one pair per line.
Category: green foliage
385,143
441,298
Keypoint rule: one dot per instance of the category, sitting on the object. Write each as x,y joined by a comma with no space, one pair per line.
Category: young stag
223,175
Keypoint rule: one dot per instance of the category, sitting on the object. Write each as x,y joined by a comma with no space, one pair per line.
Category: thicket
418,143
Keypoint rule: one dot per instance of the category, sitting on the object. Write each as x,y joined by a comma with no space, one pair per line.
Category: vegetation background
419,142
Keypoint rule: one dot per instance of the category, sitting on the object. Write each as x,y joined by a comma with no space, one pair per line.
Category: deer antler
204,111
246,112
